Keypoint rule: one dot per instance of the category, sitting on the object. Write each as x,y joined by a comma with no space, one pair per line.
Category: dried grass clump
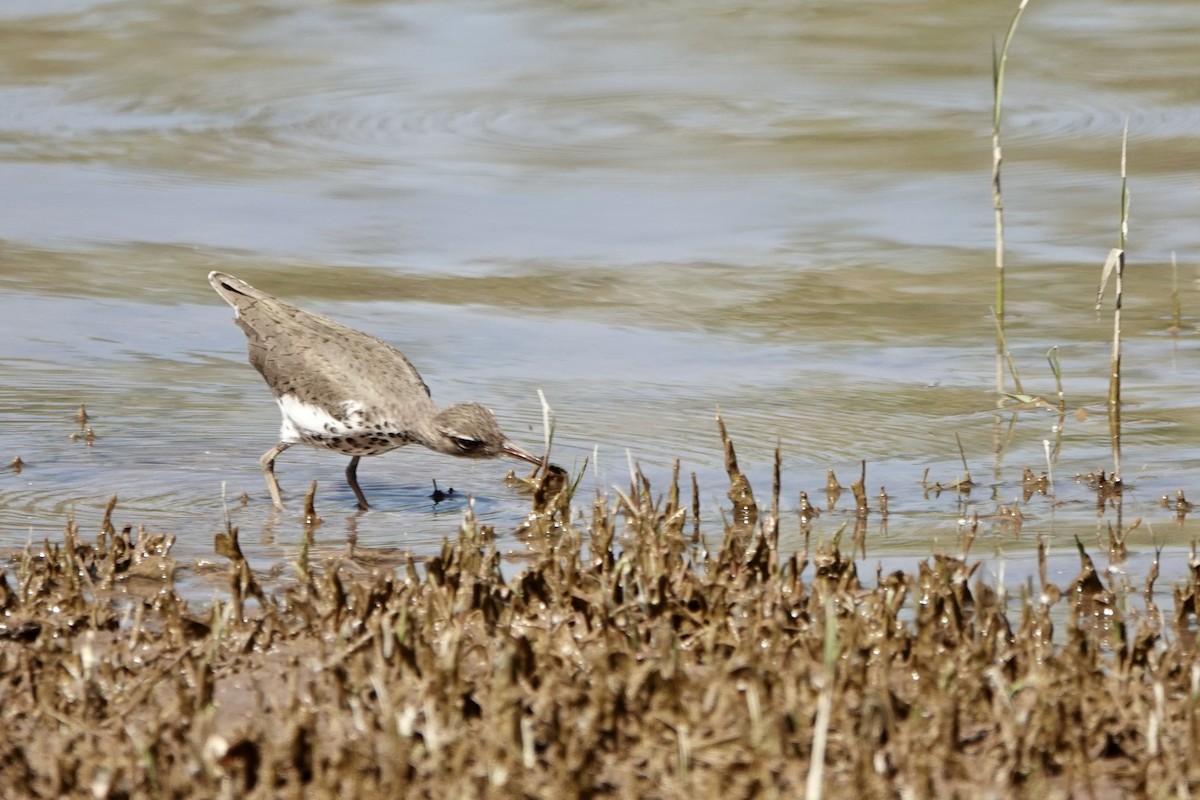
625,660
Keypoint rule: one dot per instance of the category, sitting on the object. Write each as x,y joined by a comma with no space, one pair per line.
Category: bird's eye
465,443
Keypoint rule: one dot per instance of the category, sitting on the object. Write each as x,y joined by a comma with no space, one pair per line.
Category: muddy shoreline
634,654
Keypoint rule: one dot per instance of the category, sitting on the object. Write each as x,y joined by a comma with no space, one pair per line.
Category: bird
349,392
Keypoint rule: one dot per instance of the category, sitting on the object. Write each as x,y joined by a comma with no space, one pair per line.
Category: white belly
349,433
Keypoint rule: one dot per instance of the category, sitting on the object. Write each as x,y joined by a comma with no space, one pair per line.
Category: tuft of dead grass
631,657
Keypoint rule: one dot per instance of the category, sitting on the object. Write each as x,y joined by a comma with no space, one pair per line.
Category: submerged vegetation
631,656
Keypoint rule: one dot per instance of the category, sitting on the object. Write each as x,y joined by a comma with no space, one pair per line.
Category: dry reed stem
999,63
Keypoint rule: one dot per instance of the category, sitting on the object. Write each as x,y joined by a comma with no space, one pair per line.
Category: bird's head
470,430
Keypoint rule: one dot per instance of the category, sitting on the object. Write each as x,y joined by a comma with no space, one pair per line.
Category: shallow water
649,211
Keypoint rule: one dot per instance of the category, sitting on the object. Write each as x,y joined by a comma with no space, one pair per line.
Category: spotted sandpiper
347,391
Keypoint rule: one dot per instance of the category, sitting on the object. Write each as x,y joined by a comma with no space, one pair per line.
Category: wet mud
633,653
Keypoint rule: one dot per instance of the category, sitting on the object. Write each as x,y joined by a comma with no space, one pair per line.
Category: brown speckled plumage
347,391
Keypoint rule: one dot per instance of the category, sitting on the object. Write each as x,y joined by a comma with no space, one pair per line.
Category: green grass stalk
1056,369
1005,357
1115,266
998,63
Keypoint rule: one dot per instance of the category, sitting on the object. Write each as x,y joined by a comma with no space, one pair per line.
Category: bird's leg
268,467
352,479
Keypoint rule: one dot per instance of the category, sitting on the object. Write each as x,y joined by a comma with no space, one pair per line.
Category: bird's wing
321,361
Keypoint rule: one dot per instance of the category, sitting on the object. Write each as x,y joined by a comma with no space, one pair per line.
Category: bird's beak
510,449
